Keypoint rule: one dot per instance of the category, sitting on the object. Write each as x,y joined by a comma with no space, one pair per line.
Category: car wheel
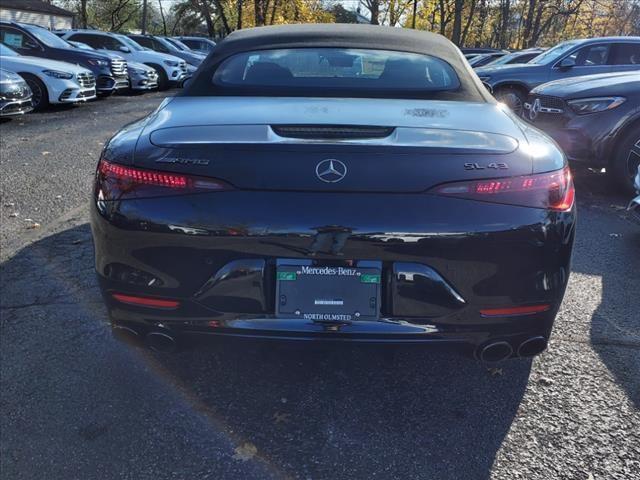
40,98
163,79
624,165
512,98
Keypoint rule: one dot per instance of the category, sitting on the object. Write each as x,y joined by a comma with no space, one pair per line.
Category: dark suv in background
595,119
34,41
162,45
511,84
198,44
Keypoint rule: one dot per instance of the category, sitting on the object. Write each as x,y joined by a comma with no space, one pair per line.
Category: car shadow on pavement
304,410
611,253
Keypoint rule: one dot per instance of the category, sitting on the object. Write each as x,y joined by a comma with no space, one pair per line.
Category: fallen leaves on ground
245,452
281,417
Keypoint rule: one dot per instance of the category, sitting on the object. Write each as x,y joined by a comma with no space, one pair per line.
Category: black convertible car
595,119
346,183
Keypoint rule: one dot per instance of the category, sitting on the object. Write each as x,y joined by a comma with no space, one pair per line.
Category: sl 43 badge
494,166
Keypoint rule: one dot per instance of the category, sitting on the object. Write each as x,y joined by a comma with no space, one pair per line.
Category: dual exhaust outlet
163,342
499,351
156,340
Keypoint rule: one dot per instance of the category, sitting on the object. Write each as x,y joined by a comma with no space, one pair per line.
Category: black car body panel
212,263
110,74
588,138
161,240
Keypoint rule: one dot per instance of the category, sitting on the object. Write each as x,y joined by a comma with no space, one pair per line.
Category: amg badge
183,161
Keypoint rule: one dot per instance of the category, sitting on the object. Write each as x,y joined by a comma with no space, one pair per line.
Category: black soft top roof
341,36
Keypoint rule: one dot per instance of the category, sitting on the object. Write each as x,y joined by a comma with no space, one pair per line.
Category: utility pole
415,9
144,17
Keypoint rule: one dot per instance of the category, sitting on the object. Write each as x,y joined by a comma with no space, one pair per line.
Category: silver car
15,94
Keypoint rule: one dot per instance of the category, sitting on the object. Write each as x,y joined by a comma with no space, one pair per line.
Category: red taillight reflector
145,301
119,182
147,177
514,311
552,190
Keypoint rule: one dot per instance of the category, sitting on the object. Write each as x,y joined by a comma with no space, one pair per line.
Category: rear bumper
192,330
216,254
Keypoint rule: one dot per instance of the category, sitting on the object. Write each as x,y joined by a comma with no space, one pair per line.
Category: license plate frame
328,293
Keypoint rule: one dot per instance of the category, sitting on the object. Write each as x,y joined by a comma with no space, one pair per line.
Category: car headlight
97,62
138,71
58,74
583,106
171,63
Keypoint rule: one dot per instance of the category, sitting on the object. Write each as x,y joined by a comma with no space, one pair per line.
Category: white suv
171,70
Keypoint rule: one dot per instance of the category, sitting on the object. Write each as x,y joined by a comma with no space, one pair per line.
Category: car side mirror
125,49
567,63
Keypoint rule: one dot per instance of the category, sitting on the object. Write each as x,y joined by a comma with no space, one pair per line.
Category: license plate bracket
328,292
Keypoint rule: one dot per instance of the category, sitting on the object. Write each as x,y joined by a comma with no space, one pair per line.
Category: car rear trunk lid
376,146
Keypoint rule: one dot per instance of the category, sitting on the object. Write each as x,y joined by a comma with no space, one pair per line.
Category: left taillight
117,182
551,190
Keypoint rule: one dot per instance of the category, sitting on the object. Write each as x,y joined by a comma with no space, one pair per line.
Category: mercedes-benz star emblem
331,170
535,109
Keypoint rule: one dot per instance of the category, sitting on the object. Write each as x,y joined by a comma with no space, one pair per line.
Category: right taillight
551,190
117,182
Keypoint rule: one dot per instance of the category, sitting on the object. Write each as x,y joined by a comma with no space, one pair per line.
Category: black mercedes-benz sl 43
595,119
345,183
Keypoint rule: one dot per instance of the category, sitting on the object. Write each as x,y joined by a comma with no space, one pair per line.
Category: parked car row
70,66
583,93
512,83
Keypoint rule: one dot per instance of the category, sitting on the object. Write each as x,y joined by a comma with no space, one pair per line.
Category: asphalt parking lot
75,404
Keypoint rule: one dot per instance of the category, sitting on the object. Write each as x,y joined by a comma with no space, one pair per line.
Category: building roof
35,6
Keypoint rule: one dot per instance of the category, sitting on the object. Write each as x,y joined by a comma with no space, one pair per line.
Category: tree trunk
83,14
505,8
239,24
528,23
482,20
457,21
164,20
273,12
259,7
223,17
465,31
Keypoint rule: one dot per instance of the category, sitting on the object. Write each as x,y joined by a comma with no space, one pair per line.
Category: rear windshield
339,71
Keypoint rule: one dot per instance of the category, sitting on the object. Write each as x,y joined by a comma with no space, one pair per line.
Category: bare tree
374,10
239,24
120,15
260,11
83,13
164,20
458,7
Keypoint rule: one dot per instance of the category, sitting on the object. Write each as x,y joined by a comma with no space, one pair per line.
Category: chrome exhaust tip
532,347
494,352
160,342
126,335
